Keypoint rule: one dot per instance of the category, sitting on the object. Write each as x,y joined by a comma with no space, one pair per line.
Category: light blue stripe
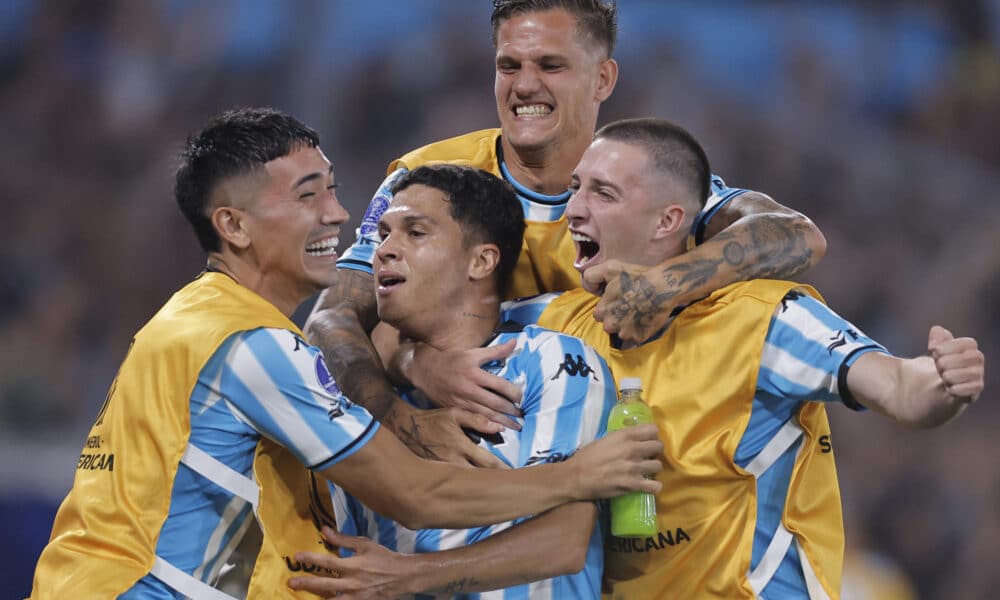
768,414
775,383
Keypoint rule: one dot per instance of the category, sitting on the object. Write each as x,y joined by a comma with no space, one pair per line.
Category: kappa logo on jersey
575,365
546,456
791,296
840,339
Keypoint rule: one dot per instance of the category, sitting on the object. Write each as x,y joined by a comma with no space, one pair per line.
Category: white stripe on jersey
234,541
534,211
229,515
213,395
255,377
799,317
550,352
592,423
795,370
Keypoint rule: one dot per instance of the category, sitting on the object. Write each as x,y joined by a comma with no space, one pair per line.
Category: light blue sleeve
282,388
526,311
721,195
360,255
808,351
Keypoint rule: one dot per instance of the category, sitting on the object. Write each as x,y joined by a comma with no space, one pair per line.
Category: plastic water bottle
632,514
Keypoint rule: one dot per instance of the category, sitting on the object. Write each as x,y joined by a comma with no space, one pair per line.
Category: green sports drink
632,514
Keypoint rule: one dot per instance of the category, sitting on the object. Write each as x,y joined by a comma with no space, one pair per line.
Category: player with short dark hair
553,71
737,381
167,479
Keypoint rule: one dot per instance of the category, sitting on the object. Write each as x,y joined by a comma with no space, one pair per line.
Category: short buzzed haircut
595,19
237,142
485,207
672,151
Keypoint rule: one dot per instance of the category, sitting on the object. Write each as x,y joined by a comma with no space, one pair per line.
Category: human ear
230,225
606,79
484,261
672,219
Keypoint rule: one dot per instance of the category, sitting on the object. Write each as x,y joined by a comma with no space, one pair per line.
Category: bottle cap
630,383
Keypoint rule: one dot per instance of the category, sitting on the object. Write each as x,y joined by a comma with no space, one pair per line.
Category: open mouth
389,281
324,247
586,250
532,111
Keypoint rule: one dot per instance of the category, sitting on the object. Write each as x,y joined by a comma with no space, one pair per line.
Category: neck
286,298
467,326
545,170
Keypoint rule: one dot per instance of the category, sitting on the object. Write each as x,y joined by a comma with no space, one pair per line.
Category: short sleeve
282,388
808,350
721,195
360,255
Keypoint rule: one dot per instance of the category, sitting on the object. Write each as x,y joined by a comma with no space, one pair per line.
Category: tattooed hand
637,301
751,237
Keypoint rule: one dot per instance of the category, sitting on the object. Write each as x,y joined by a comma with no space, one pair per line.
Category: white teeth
579,237
532,110
324,247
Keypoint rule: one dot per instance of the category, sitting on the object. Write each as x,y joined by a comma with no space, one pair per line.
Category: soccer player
553,71
163,488
738,381
450,241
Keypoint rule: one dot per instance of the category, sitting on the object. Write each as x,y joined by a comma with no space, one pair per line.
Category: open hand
374,572
456,378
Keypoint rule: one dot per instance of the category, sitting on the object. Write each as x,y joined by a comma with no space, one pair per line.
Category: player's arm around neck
339,325
750,237
926,391
423,494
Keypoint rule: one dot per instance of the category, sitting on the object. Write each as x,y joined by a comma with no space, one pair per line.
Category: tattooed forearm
767,247
339,326
763,239
354,292
353,360
459,585
409,432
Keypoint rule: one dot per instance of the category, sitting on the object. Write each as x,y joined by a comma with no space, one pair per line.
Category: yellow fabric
105,533
294,505
707,508
547,255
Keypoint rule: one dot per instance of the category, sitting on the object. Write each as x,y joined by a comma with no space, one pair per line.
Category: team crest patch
325,377
340,403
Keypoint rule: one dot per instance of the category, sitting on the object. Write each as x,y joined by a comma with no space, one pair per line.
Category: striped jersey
264,382
543,213
568,393
805,357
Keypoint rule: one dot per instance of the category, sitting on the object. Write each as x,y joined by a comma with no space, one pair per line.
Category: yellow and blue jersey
215,372
568,393
737,383
547,255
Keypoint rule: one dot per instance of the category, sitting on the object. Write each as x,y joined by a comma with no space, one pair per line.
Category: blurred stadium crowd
878,119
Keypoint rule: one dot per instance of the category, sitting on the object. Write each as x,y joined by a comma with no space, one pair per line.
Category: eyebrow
409,220
312,177
598,182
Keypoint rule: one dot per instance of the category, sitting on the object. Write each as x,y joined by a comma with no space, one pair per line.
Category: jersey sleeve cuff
845,392
350,449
